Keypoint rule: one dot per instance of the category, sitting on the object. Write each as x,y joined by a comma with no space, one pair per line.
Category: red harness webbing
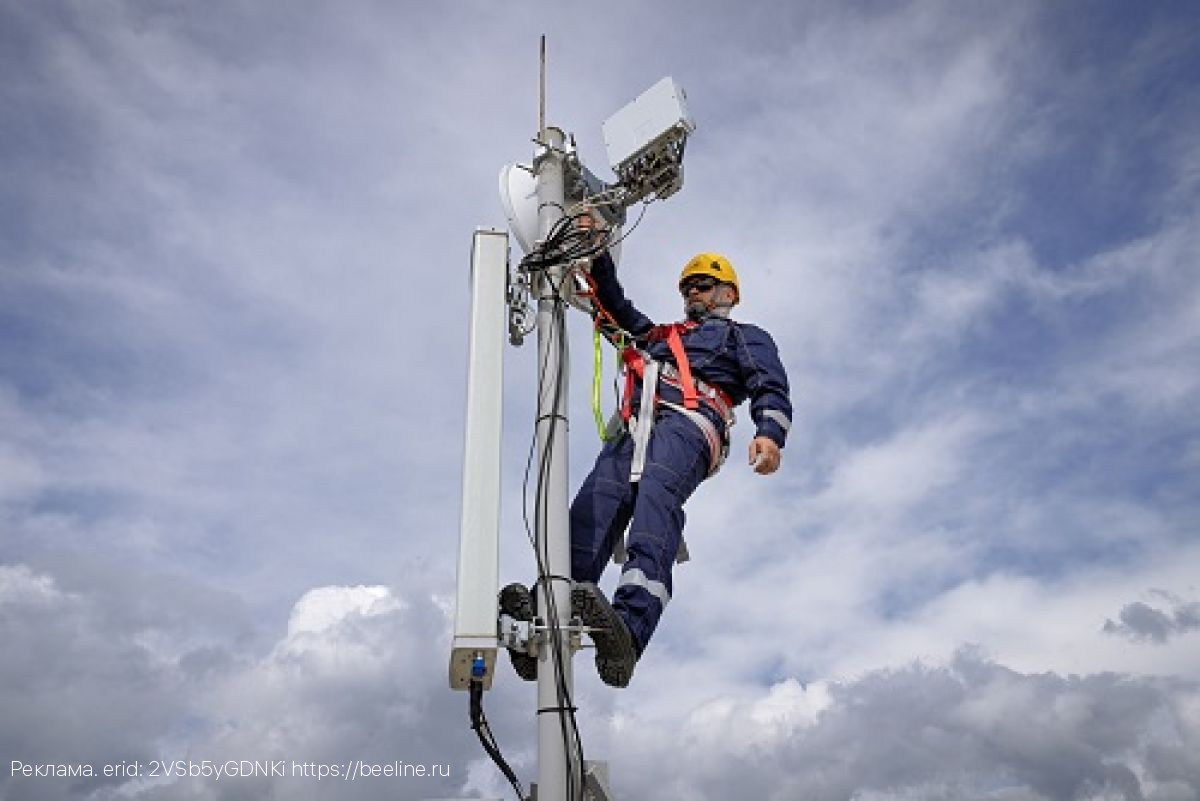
635,365
675,343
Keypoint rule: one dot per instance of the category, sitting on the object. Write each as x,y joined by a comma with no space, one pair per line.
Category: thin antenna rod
542,93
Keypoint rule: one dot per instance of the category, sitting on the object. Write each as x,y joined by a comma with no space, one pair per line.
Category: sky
234,247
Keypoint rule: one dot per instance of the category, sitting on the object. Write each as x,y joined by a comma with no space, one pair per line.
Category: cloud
325,607
1141,622
73,693
353,678
970,728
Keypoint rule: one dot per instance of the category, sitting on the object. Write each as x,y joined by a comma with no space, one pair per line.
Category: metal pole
542,92
552,521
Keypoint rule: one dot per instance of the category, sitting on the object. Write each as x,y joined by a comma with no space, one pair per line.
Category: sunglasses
701,284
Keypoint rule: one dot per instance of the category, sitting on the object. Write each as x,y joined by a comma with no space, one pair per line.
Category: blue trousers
677,460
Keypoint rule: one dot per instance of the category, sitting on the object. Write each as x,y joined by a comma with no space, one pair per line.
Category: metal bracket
517,635
527,636
520,317
595,782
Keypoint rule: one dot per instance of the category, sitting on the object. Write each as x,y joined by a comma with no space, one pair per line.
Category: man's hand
764,455
591,225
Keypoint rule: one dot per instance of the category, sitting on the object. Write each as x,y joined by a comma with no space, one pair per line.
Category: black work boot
516,601
616,654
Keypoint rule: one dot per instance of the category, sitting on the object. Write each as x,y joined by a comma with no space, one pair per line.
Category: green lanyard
597,369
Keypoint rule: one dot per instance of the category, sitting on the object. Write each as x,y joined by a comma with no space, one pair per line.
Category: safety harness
639,366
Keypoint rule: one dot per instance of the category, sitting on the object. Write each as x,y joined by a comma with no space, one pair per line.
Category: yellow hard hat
713,264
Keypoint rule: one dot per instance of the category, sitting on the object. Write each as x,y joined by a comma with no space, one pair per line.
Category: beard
697,310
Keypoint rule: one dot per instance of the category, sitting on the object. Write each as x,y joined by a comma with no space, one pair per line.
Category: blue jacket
740,358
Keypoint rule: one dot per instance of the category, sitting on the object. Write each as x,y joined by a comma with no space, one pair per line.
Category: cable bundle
567,243
488,741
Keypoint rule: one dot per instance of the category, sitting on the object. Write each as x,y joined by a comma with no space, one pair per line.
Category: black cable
488,741
636,223
556,342
566,242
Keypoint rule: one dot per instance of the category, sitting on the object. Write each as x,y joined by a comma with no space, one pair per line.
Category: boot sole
516,601
615,656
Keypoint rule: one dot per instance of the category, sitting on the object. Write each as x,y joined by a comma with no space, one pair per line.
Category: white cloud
889,478
352,678
965,728
365,679
20,586
325,607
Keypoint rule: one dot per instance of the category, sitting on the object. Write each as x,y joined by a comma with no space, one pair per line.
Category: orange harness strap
675,343
635,365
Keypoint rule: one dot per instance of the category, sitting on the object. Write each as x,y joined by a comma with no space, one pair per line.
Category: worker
668,443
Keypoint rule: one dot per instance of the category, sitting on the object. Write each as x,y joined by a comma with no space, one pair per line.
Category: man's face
698,292
702,294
